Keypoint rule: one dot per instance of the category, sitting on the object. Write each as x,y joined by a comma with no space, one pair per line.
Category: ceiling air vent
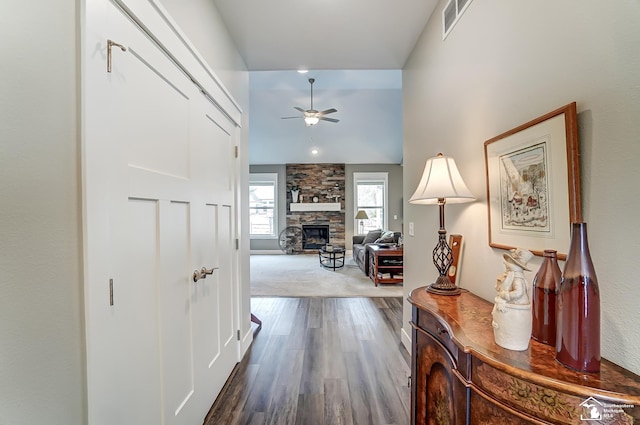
451,14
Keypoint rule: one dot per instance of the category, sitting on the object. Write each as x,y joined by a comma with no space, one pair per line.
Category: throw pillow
386,237
372,236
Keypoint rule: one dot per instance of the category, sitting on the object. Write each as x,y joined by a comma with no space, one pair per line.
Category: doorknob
197,275
202,273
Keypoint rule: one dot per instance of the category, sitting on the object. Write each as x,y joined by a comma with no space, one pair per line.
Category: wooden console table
385,264
461,376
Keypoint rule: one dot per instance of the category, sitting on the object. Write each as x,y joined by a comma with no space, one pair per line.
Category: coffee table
331,259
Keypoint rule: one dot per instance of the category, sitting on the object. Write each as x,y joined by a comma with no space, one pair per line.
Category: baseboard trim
245,342
406,339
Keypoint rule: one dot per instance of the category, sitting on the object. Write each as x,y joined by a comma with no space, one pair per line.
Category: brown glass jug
546,284
578,314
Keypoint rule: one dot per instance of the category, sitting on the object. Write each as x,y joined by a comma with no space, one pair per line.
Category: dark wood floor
320,361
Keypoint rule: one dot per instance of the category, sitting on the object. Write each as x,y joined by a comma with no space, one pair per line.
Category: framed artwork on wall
533,183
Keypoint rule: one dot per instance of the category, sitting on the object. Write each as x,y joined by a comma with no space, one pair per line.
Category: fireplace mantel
315,206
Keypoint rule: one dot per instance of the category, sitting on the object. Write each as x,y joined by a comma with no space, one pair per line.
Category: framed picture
533,183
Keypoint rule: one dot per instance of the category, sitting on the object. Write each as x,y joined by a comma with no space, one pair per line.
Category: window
262,205
370,192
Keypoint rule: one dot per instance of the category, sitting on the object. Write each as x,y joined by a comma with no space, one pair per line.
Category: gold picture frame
533,183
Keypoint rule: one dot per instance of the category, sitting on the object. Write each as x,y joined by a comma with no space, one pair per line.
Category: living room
329,184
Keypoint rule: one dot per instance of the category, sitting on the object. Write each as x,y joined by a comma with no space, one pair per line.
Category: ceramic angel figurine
512,309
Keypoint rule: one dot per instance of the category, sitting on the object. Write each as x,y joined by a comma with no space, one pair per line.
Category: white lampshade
441,179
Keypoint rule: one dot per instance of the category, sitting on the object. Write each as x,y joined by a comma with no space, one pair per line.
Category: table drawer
440,331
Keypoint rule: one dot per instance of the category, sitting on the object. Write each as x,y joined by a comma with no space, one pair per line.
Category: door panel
206,293
175,305
220,148
156,143
227,295
215,167
135,302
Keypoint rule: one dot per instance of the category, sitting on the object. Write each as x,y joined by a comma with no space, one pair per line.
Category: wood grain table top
469,319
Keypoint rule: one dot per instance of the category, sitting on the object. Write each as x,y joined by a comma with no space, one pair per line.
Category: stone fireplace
326,183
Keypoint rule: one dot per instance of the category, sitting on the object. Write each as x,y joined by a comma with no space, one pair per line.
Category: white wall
42,370
41,333
504,64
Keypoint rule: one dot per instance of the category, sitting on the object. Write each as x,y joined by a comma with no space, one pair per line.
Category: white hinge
236,151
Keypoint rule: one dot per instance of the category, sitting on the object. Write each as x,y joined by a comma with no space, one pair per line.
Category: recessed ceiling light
314,151
303,71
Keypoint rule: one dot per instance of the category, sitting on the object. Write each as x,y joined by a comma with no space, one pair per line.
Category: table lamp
441,183
362,215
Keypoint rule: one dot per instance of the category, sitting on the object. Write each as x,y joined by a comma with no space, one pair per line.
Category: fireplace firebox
315,236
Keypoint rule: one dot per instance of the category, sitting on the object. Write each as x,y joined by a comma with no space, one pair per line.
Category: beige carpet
301,276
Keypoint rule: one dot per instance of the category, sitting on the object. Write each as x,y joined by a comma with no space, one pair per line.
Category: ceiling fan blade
299,109
328,111
286,118
329,119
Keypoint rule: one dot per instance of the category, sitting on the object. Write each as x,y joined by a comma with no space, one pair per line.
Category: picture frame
533,183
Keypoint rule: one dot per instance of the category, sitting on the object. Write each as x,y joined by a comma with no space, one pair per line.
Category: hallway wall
506,63
41,330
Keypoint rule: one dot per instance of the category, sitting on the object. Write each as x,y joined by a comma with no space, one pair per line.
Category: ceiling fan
311,116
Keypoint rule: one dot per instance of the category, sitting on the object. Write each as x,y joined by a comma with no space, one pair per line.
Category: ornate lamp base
443,286
442,259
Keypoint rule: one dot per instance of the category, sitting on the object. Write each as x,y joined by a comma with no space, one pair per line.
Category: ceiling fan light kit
311,120
311,116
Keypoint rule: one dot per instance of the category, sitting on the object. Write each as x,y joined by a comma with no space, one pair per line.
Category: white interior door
158,184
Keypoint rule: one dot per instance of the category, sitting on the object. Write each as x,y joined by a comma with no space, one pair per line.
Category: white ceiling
354,49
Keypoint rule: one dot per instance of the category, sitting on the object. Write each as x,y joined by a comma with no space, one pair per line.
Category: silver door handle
202,273
205,271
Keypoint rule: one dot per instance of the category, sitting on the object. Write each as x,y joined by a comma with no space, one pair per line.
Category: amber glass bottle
578,315
546,284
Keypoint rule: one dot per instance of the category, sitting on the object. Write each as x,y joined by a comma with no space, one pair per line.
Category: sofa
361,242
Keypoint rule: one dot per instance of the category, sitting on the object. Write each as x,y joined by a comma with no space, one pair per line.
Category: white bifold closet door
158,186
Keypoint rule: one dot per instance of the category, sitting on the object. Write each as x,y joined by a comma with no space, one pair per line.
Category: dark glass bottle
546,284
578,314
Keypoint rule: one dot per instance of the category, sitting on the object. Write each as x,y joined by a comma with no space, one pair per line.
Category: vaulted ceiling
354,50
